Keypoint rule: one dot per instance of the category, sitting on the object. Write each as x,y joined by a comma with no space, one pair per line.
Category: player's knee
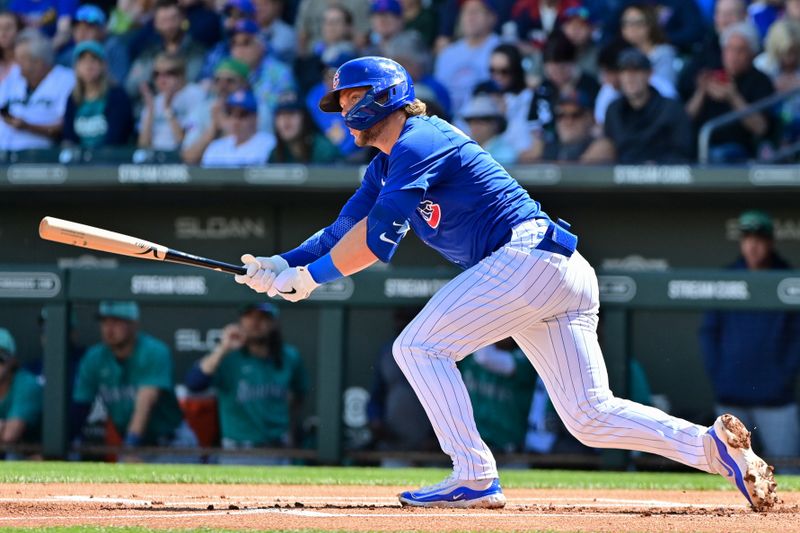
588,421
402,350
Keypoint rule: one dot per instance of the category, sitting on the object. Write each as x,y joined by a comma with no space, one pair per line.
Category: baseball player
523,278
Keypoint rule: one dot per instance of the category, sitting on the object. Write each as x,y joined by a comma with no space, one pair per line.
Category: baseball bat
75,234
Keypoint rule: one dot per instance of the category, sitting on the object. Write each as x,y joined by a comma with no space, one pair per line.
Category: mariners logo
336,80
431,212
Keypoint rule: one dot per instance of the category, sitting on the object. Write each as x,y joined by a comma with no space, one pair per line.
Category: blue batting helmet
390,88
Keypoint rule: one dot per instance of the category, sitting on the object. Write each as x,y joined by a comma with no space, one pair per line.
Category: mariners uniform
117,382
523,278
253,395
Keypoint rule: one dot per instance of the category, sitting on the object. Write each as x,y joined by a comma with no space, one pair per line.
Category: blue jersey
456,198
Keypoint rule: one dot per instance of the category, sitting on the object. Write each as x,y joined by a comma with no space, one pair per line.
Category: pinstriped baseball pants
548,303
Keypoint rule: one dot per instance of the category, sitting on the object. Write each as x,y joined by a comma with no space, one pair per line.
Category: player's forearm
209,363
12,431
351,254
146,398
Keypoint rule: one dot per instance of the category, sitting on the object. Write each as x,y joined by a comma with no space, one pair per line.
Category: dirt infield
372,508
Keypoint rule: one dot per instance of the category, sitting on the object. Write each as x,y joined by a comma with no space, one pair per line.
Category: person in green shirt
500,383
131,373
298,139
260,383
20,399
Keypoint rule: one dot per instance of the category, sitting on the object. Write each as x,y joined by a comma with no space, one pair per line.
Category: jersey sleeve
356,208
417,162
157,368
86,380
27,402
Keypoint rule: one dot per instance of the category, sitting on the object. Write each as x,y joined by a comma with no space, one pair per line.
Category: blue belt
558,239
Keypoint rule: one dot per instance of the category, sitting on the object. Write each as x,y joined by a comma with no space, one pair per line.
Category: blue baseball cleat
460,493
736,462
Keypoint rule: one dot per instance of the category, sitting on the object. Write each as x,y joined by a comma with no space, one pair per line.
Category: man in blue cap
269,76
245,145
132,373
386,23
260,383
89,24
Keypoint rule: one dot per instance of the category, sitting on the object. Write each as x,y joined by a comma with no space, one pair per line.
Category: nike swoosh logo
384,238
457,497
293,291
399,225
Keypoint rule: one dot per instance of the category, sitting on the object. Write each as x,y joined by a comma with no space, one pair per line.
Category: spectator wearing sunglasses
269,77
575,139
164,117
244,145
170,25
206,121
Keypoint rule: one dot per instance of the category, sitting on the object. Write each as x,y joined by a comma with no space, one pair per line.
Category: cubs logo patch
336,80
431,212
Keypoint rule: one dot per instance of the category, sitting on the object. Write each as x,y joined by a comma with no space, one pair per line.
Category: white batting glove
261,271
293,284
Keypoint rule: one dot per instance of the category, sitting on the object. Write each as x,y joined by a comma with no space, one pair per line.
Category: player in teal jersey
260,383
500,383
20,398
131,372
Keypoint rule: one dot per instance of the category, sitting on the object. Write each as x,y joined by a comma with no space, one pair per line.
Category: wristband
323,270
132,440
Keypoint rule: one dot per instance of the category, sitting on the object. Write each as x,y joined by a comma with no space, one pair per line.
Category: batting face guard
389,88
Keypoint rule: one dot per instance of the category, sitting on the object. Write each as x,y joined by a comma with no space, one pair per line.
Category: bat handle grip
176,256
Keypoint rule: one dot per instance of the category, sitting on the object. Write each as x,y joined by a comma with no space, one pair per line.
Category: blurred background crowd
237,82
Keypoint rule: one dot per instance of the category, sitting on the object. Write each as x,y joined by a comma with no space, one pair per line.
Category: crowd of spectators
159,75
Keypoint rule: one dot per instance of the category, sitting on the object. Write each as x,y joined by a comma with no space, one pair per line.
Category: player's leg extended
565,351
478,307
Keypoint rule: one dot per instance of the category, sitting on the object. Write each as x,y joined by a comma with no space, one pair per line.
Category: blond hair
782,37
417,108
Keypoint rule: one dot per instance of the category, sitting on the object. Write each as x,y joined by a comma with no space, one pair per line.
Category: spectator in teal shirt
131,372
260,383
20,398
99,112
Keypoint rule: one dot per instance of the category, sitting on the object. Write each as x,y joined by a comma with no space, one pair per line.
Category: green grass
58,472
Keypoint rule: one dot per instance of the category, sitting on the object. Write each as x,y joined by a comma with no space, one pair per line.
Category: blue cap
387,6
289,102
577,98
264,307
90,14
243,99
246,26
7,343
93,47
245,6
576,12
117,309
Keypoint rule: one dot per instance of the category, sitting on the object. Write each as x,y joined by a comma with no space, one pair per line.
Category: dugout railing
622,293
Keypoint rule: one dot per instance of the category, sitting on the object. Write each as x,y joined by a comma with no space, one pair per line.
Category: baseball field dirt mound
363,508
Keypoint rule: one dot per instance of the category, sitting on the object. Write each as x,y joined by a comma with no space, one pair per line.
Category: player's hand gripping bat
74,234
